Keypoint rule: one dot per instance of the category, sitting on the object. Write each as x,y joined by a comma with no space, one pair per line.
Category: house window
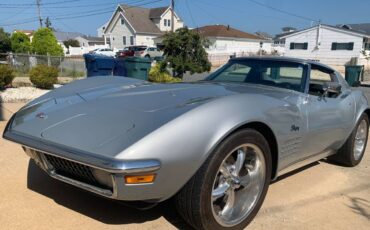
298,46
342,46
367,46
165,22
124,40
168,22
122,21
131,40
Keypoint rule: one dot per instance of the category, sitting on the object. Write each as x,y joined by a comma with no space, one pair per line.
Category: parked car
149,52
103,51
129,51
213,145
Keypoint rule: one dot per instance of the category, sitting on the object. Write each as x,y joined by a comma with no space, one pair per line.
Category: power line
191,15
282,11
35,4
77,14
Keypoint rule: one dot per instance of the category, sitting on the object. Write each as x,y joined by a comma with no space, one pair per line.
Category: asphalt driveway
320,196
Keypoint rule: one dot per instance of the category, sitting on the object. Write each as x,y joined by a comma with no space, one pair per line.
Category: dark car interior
320,79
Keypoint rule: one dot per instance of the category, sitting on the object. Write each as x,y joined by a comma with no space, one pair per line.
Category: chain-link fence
68,66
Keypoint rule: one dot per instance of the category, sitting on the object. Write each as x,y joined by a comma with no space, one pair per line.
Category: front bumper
104,176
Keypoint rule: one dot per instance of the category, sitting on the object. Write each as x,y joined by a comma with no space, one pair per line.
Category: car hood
105,117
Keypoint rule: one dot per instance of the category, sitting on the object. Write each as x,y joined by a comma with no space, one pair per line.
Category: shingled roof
225,31
140,18
157,12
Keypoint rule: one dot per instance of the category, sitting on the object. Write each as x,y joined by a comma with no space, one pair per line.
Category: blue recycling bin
99,65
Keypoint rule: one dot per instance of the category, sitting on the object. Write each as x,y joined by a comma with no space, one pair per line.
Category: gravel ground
21,94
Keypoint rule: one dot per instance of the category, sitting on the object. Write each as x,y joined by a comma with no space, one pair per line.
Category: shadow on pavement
360,206
99,208
292,173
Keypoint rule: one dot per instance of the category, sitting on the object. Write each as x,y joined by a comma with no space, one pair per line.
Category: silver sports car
213,145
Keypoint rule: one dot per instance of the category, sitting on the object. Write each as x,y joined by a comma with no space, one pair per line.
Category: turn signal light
142,179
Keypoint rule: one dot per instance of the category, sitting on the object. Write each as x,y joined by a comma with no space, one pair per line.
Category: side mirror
332,88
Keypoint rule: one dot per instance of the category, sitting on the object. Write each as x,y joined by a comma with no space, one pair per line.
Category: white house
131,25
227,40
328,44
101,29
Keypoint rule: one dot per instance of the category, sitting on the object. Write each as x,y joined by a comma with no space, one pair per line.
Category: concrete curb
8,109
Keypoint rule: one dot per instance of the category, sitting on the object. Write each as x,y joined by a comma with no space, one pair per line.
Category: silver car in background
213,145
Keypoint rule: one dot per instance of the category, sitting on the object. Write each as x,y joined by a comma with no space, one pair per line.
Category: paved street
320,196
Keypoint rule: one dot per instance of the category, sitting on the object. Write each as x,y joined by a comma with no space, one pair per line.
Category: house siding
147,40
117,31
323,53
160,23
230,46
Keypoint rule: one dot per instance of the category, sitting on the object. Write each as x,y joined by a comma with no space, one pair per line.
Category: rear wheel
147,56
352,152
229,189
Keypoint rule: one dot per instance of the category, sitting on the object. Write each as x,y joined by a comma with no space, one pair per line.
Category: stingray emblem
41,115
294,128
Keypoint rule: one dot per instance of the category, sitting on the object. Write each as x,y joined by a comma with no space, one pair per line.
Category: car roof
286,59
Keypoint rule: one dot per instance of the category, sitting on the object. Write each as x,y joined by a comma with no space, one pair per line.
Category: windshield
280,74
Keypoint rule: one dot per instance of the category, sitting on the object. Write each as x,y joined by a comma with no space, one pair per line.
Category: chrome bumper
115,169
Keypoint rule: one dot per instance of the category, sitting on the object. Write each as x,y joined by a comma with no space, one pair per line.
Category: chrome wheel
238,185
360,140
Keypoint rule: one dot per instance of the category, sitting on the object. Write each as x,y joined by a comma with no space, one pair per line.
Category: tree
5,45
184,51
71,43
48,24
44,42
20,43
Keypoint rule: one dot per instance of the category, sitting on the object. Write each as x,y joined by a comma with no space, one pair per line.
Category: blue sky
87,15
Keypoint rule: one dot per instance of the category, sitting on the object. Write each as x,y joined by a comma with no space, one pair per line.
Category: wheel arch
267,132
367,112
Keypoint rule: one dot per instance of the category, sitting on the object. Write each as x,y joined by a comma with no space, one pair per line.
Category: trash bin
99,65
120,68
353,74
137,67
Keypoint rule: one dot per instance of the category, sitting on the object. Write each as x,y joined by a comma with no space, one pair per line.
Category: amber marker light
139,179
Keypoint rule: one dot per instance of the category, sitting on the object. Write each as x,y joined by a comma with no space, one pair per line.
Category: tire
197,202
147,56
346,155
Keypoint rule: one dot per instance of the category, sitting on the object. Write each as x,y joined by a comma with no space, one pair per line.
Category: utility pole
38,3
173,15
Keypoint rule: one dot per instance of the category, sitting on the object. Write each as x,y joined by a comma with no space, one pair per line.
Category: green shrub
44,77
160,74
6,75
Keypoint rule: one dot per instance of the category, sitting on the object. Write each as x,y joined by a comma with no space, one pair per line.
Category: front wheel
229,189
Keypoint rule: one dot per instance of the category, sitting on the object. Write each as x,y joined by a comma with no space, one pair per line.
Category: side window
283,75
318,76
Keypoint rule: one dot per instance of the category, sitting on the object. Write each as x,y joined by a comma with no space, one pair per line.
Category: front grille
73,170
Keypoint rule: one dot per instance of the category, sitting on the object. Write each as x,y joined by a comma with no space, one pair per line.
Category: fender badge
41,115
294,128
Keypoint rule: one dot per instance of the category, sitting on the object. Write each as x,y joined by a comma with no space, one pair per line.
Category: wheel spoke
252,178
220,191
224,169
239,162
229,206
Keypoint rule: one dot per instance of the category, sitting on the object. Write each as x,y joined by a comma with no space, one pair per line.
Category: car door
330,117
